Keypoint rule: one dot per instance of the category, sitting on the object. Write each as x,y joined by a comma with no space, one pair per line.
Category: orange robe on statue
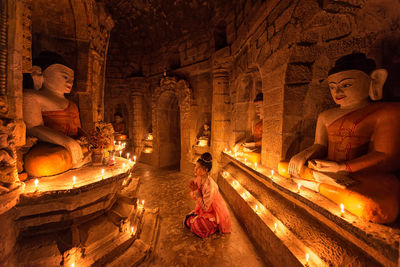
368,142
65,121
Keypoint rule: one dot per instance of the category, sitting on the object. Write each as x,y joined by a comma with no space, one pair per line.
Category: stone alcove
171,109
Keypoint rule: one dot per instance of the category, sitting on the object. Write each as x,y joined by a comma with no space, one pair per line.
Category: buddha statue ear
378,79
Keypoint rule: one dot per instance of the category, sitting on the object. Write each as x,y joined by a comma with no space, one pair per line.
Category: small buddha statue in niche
203,138
251,146
359,139
119,124
53,119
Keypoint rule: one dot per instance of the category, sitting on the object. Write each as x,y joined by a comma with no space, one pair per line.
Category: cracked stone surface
176,245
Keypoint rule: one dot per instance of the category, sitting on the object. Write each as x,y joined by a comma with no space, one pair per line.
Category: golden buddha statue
53,119
360,140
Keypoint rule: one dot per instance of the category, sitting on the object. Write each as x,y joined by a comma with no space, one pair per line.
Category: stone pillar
137,126
220,121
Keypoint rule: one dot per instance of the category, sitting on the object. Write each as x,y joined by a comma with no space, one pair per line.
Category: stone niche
171,123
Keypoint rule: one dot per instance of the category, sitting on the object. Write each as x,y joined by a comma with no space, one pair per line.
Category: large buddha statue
53,119
251,146
359,140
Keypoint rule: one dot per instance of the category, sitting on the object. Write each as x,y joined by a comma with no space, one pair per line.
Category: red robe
210,213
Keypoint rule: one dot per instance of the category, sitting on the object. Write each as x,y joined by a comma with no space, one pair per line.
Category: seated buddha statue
251,146
359,139
53,119
203,138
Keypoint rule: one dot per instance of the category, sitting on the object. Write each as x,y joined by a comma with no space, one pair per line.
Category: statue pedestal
307,222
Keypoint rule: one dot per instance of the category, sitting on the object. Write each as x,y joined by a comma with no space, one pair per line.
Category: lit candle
36,185
230,152
244,195
119,142
143,203
225,149
275,226
272,174
307,258
127,155
257,208
245,160
115,142
102,173
298,187
73,265
341,209
134,158
255,165
235,154
132,230
124,182
73,181
123,166
120,153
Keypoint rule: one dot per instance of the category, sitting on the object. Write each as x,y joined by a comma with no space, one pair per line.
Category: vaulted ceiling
146,25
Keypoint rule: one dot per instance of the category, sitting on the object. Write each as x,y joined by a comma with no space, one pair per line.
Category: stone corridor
176,245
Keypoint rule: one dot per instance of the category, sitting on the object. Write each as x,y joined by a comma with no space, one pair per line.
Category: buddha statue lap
54,120
251,147
359,140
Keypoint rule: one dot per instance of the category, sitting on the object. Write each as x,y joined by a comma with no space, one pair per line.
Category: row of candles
258,208
272,177
74,178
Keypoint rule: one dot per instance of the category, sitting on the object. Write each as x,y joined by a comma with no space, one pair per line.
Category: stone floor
176,245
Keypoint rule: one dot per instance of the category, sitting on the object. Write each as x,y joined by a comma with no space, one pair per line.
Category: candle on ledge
226,150
36,185
341,209
307,259
132,230
73,181
298,187
102,173
134,158
275,226
123,166
120,153
245,160
272,174
127,155
230,152
255,165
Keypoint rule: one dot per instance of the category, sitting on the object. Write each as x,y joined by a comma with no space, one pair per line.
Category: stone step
299,231
142,247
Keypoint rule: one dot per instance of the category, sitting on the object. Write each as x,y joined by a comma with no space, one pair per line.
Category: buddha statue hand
326,166
74,149
296,163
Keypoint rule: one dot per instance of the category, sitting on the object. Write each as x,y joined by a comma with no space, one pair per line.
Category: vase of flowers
98,140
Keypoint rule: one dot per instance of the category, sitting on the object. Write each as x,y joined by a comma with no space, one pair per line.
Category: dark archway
169,131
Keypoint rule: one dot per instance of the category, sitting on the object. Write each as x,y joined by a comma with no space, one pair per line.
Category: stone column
220,121
137,127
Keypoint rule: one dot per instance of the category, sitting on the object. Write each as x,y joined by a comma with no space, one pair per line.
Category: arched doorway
168,114
171,123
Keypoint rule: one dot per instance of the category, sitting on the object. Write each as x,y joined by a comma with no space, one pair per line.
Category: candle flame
341,208
225,149
307,257
123,165
275,225
142,202
102,171
73,179
272,173
245,160
132,230
120,153
255,165
127,155
73,265
36,182
134,158
299,186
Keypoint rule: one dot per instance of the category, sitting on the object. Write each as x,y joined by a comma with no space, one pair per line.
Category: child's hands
193,185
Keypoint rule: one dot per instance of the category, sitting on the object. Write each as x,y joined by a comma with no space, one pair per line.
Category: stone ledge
377,241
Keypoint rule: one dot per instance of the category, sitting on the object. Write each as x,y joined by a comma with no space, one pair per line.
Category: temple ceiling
147,25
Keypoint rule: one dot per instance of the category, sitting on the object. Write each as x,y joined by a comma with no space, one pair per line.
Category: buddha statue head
354,79
258,102
118,117
58,76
